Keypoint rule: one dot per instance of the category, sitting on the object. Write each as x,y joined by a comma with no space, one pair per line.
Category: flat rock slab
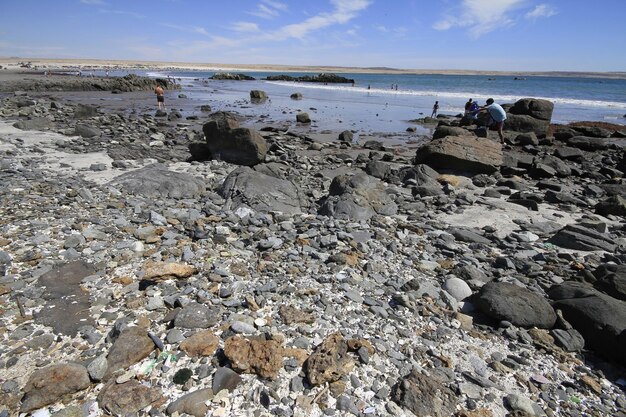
193,403
424,396
47,386
579,237
127,398
261,192
157,181
461,154
132,345
67,305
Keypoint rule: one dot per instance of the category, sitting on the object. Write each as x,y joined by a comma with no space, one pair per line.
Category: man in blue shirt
497,116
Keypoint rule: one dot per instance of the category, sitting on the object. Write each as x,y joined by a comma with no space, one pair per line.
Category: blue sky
518,35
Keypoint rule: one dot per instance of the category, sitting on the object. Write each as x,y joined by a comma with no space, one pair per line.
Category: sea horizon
263,67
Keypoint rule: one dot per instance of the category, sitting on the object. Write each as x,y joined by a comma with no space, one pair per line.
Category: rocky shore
161,263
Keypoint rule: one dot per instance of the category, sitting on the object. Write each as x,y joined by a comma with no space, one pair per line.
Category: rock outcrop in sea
320,78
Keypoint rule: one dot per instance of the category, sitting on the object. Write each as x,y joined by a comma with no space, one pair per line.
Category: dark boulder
420,174
258,96
86,131
569,153
535,108
303,118
231,77
518,305
593,131
587,143
321,78
296,96
611,280
346,136
378,169
525,123
442,131
461,154
615,205
231,143
600,318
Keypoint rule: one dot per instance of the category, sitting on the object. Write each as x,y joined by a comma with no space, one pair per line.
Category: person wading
160,97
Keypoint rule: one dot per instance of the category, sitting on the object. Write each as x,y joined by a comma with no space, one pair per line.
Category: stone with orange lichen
203,343
162,271
255,355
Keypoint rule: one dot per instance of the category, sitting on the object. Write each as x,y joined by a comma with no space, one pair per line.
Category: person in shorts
160,97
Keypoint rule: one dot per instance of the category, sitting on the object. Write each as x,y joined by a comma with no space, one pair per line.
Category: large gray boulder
579,237
600,318
536,108
442,131
518,305
86,131
611,280
420,175
231,143
588,143
461,154
357,197
530,115
615,205
258,95
260,191
36,123
157,181
525,123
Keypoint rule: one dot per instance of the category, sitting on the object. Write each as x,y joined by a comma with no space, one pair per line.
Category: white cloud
480,16
245,27
269,9
93,2
187,29
122,13
276,5
541,10
345,10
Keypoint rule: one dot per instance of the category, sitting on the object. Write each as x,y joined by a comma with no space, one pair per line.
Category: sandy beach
230,258
12,64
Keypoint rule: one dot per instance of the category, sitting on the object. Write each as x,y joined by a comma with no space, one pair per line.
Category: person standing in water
160,93
435,109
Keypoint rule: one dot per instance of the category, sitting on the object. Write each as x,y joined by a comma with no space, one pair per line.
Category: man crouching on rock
160,96
497,116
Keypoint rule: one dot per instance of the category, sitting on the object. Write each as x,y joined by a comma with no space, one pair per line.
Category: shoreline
188,66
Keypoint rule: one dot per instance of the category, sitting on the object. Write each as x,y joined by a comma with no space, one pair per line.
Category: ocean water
374,105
